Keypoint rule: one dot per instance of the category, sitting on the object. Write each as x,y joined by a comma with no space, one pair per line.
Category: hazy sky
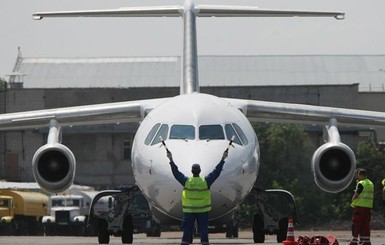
362,32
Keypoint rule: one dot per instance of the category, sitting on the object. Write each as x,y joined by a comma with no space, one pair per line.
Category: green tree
286,151
285,155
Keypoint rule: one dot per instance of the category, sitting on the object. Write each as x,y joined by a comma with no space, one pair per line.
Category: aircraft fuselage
197,129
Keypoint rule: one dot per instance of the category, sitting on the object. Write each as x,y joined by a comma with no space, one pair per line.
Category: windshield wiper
176,138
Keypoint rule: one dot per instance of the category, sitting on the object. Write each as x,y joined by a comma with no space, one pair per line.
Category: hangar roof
123,72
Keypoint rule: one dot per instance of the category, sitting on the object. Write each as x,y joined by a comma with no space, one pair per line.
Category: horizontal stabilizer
166,11
199,10
248,11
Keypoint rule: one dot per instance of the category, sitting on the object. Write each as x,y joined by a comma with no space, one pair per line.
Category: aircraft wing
266,111
199,10
108,113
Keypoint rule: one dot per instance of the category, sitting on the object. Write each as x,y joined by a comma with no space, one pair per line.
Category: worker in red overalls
362,202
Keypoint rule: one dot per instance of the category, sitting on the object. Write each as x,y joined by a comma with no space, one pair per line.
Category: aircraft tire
281,235
103,236
258,226
128,230
232,230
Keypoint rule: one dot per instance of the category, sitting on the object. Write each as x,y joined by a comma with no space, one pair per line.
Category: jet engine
333,163
54,164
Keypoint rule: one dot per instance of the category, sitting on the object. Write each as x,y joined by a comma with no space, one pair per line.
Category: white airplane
196,127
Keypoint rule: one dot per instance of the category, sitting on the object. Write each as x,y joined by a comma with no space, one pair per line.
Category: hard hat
383,182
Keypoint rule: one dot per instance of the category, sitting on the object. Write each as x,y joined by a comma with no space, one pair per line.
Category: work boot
354,241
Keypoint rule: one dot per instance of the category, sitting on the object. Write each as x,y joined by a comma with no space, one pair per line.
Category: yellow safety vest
196,196
365,199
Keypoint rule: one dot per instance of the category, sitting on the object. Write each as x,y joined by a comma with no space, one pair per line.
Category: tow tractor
122,209
273,208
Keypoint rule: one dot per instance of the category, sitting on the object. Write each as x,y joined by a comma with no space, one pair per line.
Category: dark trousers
188,227
361,225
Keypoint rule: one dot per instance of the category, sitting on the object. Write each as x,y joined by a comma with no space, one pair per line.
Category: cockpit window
211,132
230,132
234,129
182,132
151,134
163,131
241,133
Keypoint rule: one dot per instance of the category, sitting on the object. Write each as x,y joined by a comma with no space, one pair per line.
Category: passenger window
151,134
230,132
186,132
211,132
241,134
163,131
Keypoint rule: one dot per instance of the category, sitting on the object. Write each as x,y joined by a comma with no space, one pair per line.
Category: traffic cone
290,240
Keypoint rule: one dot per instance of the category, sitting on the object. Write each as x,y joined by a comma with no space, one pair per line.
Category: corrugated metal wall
129,72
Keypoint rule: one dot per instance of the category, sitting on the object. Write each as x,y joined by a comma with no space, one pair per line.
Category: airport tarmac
245,238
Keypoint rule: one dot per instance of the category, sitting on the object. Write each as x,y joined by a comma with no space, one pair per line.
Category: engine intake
54,167
333,166
334,163
53,164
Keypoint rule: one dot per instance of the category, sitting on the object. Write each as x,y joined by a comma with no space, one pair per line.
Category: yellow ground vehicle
21,212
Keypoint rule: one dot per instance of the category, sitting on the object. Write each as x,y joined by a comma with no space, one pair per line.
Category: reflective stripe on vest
365,199
196,196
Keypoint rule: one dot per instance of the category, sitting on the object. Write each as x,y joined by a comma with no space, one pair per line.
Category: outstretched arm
179,176
211,177
225,154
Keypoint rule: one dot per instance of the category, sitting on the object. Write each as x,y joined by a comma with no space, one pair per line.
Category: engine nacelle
333,166
53,167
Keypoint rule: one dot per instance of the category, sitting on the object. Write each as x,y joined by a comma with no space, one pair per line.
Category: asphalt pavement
245,238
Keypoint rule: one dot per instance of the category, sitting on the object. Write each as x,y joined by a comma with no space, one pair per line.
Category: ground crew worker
196,198
383,196
362,202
